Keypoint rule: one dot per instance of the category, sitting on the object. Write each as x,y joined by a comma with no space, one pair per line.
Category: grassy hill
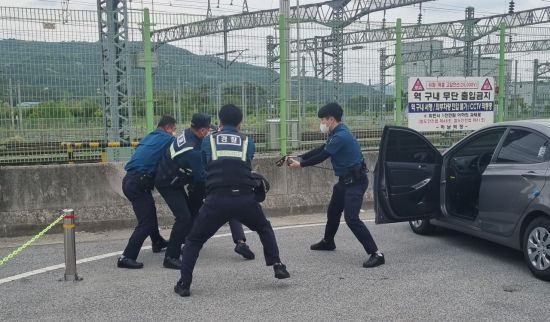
54,70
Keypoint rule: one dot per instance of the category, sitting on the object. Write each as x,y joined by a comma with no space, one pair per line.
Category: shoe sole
326,250
282,277
129,267
171,266
380,264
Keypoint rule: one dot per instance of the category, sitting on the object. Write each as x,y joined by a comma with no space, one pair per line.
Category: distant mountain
48,70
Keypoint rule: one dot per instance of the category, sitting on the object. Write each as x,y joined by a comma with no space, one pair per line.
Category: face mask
324,128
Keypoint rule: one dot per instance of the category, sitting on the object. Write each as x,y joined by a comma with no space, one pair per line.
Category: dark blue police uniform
347,194
137,186
182,165
230,195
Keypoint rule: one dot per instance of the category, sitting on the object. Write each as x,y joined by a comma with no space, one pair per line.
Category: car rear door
515,177
406,177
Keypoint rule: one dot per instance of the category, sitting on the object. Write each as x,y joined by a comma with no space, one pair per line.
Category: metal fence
53,101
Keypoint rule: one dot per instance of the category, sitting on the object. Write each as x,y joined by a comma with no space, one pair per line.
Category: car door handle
422,184
421,166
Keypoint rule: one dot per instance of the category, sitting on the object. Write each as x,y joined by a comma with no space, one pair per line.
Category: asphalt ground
447,276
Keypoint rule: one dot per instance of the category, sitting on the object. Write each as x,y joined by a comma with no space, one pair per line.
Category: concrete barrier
33,196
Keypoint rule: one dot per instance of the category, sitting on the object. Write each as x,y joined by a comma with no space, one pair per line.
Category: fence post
501,74
284,11
69,245
148,62
398,67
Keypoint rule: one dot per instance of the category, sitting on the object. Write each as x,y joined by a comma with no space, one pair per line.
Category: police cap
200,120
331,109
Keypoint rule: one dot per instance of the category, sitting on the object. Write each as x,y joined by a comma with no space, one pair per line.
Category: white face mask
324,128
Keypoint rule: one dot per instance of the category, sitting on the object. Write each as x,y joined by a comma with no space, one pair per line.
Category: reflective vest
169,172
229,166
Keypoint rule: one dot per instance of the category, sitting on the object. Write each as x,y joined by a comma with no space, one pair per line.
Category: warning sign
487,85
450,103
418,86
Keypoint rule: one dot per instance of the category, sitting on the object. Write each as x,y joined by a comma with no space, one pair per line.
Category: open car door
406,177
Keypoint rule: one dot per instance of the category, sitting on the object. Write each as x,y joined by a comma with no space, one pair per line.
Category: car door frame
384,212
446,215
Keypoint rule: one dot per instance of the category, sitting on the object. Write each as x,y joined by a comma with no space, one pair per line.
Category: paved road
449,276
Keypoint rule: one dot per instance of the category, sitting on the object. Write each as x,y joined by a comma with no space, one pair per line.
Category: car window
404,146
481,144
522,146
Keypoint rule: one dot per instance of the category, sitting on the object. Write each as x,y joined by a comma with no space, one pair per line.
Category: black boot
323,245
374,260
243,250
181,289
280,271
159,246
173,263
125,262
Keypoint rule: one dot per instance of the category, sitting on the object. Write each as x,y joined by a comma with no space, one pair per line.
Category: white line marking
113,254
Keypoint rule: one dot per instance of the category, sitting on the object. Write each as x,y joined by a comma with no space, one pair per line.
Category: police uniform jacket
182,162
228,155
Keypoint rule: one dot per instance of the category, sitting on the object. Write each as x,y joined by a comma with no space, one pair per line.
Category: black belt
230,191
145,178
355,175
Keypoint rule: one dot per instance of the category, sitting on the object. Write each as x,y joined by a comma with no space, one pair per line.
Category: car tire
422,227
536,247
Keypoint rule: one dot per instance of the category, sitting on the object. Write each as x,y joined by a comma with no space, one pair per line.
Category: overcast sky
433,11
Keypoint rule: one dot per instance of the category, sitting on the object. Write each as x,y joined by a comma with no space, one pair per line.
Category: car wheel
422,226
536,247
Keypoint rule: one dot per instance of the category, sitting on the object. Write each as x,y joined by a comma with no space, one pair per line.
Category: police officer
347,195
182,165
229,194
137,186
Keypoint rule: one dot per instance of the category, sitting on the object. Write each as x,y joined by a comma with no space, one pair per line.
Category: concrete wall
33,196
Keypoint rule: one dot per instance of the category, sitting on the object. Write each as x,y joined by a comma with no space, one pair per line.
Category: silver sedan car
492,184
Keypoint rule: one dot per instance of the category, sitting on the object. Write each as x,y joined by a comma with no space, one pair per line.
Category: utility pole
535,85
284,76
469,26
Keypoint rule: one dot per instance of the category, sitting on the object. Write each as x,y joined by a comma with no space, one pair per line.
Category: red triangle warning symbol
487,85
418,86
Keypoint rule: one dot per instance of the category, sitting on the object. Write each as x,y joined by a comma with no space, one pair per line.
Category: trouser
176,199
195,202
349,199
216,211
144,208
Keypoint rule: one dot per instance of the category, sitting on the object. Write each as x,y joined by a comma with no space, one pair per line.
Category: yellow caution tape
29,242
